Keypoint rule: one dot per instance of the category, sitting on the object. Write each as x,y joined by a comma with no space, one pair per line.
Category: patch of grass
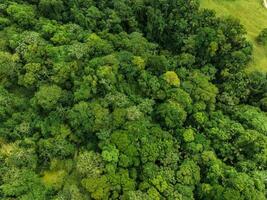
253,16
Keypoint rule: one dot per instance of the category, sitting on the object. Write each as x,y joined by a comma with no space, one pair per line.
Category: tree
262,37
48,96
22,14
171,78
251,117
89,164
98,187
8,67
31,77
22,183
55,147
171,114
52,9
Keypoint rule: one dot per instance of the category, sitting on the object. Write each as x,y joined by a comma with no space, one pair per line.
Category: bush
262,37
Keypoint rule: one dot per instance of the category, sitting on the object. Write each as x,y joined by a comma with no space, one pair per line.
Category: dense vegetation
128,99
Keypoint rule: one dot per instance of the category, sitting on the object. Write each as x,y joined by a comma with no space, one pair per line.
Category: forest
129,100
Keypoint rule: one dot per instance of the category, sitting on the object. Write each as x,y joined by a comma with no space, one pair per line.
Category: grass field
252,15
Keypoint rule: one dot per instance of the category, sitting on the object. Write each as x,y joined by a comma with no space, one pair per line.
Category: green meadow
252,15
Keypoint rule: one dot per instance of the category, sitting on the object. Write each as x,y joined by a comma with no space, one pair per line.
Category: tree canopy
131,100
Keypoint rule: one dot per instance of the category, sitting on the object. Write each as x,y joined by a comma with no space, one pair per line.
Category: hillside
252,15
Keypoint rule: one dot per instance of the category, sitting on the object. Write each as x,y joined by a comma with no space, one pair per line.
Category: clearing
253,15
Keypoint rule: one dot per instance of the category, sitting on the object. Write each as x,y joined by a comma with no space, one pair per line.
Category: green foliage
22,14
251,117
171,78
171,114
262,37
89,164
98,187
188,135
23,184
52,8
189,173
8,67
48,96
128,100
